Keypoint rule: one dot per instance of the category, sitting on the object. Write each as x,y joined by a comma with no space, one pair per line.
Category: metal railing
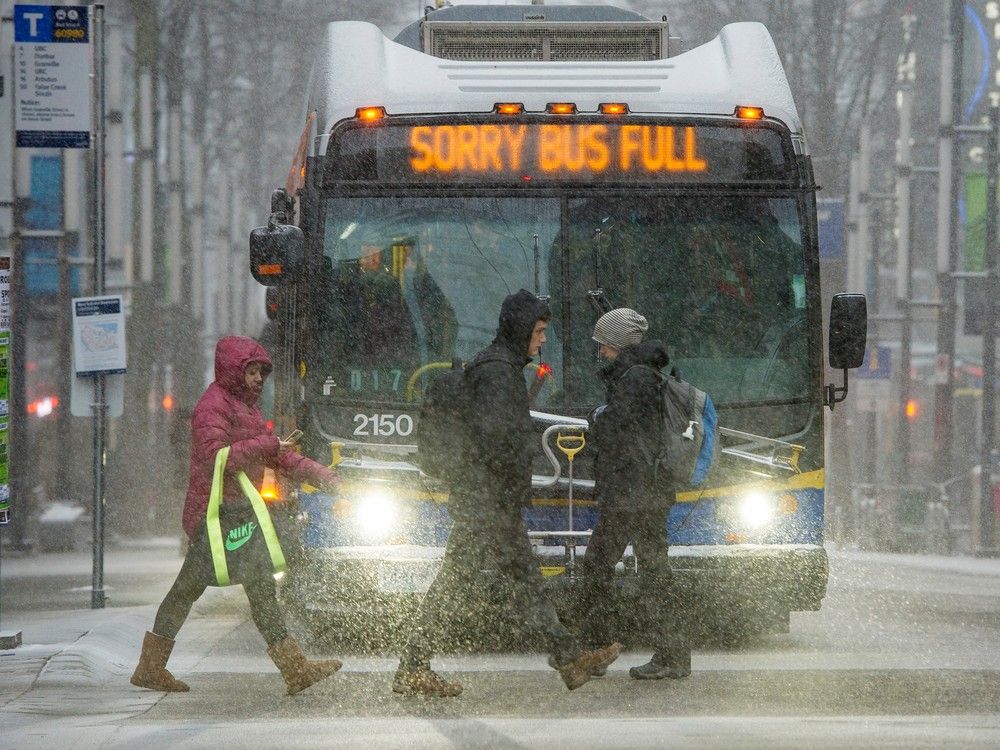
773,453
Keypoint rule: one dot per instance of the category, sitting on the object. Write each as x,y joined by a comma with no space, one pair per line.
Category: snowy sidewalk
64,653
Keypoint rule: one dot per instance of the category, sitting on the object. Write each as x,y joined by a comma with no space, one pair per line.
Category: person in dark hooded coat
632,505
488,531
227,415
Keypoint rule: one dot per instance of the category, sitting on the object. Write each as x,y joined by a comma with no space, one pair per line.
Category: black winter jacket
626,431
502,438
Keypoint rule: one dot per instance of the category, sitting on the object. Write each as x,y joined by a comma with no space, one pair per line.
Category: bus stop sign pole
100,406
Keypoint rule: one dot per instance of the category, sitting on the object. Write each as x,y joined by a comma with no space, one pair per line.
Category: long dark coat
502,438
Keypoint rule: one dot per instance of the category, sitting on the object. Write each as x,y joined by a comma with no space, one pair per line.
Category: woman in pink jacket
228,415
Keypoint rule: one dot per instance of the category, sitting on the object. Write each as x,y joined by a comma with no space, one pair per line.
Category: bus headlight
756,510
375,514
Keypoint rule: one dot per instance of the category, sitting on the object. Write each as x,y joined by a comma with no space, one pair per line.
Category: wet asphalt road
905,652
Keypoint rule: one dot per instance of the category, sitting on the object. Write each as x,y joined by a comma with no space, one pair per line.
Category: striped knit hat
620,328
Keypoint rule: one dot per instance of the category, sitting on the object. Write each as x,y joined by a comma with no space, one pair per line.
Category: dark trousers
487,552
597,603
190,585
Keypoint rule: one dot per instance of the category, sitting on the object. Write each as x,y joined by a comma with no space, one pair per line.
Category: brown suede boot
299,672
579,671
151,671
424,681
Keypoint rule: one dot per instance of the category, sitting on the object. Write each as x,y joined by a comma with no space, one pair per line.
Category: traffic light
911,410
167,398
43,407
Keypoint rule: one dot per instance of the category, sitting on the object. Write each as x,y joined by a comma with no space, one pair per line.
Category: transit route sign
52,55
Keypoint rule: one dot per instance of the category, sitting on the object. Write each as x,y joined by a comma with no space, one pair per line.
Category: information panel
98,335
579,152
52,54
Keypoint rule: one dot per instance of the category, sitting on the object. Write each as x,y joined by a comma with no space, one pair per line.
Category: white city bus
570,151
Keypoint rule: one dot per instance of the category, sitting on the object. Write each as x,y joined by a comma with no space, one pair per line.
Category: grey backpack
689,426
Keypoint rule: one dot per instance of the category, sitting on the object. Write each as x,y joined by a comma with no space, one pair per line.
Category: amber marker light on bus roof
613,108
369,114
508,108
750,113
561,108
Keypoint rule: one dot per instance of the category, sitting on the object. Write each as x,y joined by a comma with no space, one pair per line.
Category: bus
575,152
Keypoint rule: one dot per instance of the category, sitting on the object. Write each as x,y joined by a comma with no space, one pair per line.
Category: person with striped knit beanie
632,504
619,329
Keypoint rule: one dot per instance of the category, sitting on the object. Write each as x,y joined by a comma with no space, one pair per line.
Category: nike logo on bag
239,536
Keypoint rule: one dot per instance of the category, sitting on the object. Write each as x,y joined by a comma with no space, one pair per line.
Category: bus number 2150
383,425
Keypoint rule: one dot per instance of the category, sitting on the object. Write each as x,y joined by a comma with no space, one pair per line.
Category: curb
105,647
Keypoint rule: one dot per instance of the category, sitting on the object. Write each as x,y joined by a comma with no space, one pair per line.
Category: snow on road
903,654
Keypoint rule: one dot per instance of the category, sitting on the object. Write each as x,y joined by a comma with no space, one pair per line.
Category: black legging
189,587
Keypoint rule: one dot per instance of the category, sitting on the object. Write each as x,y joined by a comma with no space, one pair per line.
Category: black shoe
655,669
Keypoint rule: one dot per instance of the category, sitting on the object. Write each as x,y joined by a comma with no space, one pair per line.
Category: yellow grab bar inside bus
570,444
411,384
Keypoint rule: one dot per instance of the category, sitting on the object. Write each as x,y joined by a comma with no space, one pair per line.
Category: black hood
651,352
518,316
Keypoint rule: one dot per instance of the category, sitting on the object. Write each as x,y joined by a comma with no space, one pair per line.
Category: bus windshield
416,281
411,282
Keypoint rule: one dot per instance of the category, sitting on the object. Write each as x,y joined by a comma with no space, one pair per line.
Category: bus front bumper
788,577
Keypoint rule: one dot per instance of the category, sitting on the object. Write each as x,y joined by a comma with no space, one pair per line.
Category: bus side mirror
847,340
277,252
848,331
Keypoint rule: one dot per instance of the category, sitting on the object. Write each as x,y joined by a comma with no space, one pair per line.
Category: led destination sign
557,148
504,152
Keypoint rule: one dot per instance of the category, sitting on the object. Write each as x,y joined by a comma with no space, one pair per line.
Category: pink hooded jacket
227,414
